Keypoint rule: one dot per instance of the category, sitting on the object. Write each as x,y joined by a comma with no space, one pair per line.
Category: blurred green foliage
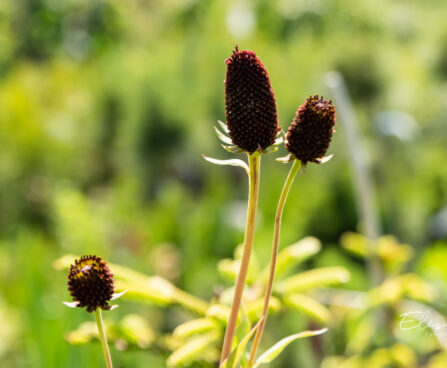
106,106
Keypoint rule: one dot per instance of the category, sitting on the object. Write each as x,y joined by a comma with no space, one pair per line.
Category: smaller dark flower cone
311,131
250,103
90,283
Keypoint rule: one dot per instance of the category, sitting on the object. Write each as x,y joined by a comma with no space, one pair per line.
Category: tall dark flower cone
250,104
311,131
90,283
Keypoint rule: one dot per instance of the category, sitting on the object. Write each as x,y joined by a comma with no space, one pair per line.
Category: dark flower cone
311,131
250,104
90,283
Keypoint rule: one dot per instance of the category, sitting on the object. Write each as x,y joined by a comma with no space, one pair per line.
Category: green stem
254,161
103,338
277,229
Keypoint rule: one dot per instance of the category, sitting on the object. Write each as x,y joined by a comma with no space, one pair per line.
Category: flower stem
103,338
277,229
254,163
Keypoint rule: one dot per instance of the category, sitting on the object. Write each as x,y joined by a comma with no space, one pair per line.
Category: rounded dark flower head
250,104
90,283
311,130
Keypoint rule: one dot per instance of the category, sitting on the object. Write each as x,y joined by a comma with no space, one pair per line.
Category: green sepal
224,127
233,149
286,159
224,138
233,162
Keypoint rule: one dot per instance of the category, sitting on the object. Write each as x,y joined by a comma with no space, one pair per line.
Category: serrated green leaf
232,162
235,356
277,349
308,306
319,277
193,349
195,326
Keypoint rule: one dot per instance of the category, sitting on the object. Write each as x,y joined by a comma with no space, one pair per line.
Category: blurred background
107,105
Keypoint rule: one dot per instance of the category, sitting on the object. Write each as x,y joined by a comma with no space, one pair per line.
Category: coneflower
91,285
307,141
311,130
250,103
252,127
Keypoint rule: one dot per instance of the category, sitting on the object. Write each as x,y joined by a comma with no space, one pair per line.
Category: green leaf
254,307
416,288
293,255
190,302
85,333
243,323
394,255
219,311
308,306
236,355
193,349
136,330
355,243
233,162
319,277
277,349
195,326
153,290
229,268
133,330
